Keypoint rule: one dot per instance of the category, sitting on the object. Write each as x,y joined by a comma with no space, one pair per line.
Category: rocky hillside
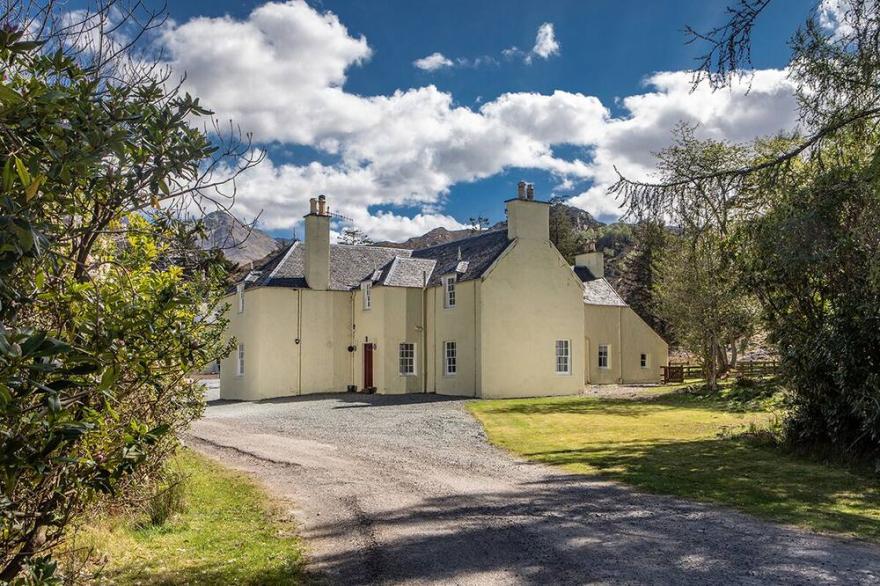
434,237
240,244
577,218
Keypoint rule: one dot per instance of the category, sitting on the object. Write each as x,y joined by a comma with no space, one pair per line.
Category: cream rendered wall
369,327
325,334
403,323
530,299
275,365
627,337
395,316
638,338
459,324
602,326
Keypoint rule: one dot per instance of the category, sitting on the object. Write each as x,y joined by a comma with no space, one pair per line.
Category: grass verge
229,533
688,446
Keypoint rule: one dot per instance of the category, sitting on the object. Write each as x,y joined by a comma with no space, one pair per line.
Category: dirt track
406,490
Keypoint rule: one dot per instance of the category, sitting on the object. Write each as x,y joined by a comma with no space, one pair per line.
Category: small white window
643,360
240,369
451,358
603,356
407,359
240,290
367,289
449,291
563,357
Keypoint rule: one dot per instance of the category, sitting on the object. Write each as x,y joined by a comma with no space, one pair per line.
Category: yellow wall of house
395,316
370,328
273,319
627,337
530,299
457,324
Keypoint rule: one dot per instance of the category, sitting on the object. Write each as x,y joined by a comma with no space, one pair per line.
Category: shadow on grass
595,406
210,574
759,480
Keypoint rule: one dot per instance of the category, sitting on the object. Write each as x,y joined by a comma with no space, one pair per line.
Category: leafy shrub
816,266
102,291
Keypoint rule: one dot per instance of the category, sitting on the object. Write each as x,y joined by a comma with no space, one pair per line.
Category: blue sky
332,92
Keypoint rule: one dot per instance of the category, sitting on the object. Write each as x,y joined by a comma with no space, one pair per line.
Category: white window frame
410,360
367,291
606,350
450,358
563,356
644,360
239,289
239,367
449,283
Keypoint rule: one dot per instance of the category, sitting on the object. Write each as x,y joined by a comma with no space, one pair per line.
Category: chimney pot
313,206
530,191
322,204
521,190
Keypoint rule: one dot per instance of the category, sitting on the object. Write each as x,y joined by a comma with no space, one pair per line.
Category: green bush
102,291
816,266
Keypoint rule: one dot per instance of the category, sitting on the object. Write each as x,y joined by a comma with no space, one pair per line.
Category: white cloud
760,106
281,73
433,62
545,43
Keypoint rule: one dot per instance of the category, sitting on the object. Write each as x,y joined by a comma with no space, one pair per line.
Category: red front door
368,366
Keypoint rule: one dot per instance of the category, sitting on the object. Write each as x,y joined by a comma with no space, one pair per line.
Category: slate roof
349,265
469,258
407,272
597,291
478,253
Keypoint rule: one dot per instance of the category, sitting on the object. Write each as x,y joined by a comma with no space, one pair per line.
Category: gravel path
406,490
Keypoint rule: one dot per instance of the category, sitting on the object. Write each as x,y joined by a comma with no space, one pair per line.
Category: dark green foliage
639,275
103,297
815,264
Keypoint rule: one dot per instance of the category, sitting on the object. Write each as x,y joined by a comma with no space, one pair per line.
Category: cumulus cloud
545,43
433,62
760,106
280,73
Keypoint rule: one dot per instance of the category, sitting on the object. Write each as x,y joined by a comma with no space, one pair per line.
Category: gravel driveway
406,490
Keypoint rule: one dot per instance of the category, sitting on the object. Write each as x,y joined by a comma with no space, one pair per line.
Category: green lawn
687,446
230,533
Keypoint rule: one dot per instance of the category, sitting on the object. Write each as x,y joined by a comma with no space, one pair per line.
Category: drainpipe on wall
299,316
620,344
425,331
351,355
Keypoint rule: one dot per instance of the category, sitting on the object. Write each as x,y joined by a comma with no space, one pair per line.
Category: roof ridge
371,246
283,259
457,240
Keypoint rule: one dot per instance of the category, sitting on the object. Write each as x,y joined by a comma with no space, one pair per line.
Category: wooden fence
677,373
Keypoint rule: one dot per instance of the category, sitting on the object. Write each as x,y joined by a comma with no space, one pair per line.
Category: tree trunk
733,354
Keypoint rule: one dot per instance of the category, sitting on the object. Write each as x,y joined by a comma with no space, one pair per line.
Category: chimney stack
592,260
317,244
526,217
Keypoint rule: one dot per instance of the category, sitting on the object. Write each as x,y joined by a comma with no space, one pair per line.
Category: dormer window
366,289
449,291
239,289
